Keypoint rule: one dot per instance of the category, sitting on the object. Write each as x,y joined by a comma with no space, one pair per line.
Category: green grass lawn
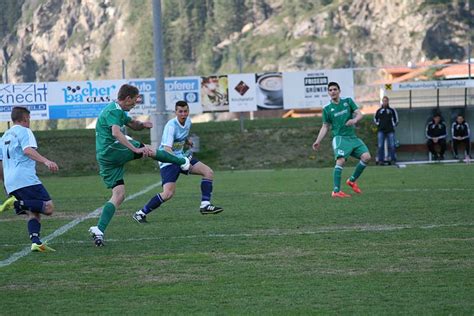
282,246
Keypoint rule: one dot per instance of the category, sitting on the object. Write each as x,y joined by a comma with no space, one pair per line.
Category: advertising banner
33,96
217,93
269,91
81,99
147,101
242,93
214,93
308,89
424,85
185,89
176,89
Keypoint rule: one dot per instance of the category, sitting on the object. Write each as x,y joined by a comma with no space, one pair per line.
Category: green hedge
265,143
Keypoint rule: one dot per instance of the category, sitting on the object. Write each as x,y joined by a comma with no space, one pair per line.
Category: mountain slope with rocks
87,39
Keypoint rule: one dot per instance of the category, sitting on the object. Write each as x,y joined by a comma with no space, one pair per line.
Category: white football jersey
19,170
174,136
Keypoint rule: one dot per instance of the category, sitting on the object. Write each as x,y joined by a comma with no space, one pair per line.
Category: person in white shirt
18,157
174,140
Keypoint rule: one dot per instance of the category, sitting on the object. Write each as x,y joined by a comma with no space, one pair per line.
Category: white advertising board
242,93
81,99
176,89
183,89
33,96
308,89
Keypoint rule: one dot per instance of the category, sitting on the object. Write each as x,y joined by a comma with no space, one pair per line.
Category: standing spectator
18,155
386,118
461,135
436,135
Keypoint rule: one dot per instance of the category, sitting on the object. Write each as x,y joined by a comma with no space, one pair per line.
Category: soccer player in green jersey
342,115
114,150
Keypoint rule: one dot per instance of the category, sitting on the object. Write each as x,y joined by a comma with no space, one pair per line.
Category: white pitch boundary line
61,230
322,230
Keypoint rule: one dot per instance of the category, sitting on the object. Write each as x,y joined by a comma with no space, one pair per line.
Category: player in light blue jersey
174,140
18,157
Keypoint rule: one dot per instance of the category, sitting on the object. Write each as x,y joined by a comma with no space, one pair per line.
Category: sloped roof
456,71
403,73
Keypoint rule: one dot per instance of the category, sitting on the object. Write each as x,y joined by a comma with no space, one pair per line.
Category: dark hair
19,113
127,90
181,104
332,83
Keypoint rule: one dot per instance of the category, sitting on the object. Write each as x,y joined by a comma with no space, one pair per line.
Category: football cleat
139,218
185,166
354,186
210,209
97,235
340,194
8,205
41,248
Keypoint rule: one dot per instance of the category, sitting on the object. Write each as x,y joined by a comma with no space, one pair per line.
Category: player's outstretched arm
357,118
122,139
1,171
36,156
322,132
2,178
189,142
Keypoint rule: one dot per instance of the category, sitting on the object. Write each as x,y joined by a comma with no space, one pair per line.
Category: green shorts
112,162
345,146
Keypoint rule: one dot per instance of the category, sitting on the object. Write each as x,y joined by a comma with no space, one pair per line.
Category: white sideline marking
61,230
322,230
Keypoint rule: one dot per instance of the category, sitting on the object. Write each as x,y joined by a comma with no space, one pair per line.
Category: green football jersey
338,114
112,114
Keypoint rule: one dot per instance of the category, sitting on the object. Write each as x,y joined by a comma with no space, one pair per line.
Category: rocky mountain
60,39
84,39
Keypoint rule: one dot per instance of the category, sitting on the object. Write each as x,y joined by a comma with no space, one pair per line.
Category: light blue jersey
19,170
174,136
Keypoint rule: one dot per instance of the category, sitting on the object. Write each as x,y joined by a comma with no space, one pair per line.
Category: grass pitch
282,246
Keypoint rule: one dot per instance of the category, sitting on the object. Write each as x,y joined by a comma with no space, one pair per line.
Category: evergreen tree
10,11
142,50
229,17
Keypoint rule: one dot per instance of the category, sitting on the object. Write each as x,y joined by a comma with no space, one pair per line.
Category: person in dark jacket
436,134
461,135
386,118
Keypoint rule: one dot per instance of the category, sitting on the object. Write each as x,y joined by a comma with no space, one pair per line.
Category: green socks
108,212
337,178
164,156
358,171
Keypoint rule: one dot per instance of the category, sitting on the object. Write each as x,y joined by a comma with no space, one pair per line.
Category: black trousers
432,147
467,146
